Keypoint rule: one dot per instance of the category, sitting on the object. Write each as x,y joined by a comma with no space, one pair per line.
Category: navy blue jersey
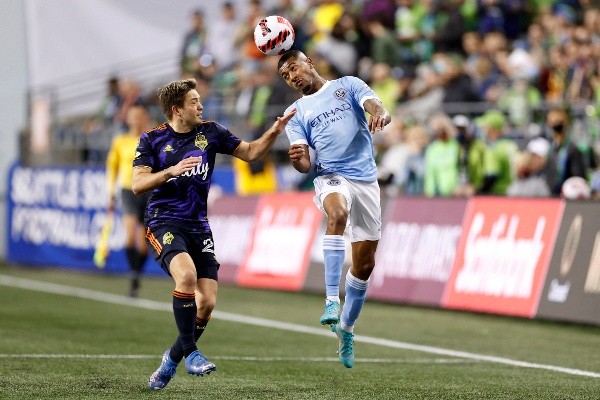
182,199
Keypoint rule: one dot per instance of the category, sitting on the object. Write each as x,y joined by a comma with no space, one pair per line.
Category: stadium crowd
497,97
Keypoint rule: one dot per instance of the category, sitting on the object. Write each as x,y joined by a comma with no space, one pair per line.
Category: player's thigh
331,184
183,271
202,250
365,215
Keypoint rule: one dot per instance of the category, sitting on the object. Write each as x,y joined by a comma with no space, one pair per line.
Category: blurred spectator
322,17
501,152
450,27
382,10
259,176
386,87
565,160
529,166
222,38
457,85
471,159
554,76
423,96
110,104
385,48
407,17
417,141
392,164
195,61
131,95
441,158
212,102
244,36
519,100
337,49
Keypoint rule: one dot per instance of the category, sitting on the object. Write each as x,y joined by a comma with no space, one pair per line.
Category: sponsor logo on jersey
168,148
168,238
334,182
201,142
332,115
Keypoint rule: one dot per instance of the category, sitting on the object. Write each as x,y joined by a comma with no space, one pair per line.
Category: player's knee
337,218
187,280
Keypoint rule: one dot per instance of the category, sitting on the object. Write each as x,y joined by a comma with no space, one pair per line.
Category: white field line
252,359
159,306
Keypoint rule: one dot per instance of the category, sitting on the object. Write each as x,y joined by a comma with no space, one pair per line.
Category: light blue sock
334,252
356,293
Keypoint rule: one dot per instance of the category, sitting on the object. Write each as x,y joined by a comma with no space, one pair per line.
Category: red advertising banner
279,249
231,221
417,249
503,255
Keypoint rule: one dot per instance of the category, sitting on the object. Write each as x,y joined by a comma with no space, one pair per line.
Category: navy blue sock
184,309
176,353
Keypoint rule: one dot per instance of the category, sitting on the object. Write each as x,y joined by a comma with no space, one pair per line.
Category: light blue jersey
332,121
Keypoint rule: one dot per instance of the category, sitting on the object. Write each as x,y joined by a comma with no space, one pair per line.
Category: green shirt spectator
441,168
499,158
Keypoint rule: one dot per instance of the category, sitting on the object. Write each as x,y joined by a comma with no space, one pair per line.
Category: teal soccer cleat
197,364
346,349
331,314
161,377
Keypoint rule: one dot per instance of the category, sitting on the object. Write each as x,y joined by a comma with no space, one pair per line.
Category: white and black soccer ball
576,188
274,35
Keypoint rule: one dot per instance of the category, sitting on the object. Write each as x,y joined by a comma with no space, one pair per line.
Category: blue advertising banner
55,216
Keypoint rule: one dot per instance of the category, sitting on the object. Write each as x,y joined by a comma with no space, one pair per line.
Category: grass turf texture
256,362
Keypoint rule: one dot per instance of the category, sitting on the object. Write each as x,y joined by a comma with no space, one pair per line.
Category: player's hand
281,122
296,152
187,164
378,122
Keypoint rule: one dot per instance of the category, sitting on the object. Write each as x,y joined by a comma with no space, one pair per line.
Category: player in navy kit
175,161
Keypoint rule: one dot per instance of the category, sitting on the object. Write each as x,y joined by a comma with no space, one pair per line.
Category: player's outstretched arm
379,116
256,149
144,179
300,157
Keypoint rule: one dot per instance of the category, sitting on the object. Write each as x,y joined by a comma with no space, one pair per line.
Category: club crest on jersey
137,155
168,148
334,182
340,94
201,142
168,238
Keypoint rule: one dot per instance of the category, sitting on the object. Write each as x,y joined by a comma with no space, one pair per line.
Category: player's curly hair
173,94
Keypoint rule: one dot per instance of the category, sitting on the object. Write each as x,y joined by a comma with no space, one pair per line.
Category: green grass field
62,342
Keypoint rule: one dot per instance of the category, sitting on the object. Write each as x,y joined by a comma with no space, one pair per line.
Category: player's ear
175,111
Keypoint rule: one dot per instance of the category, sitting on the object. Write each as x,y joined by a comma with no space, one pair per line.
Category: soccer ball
576,188
274,35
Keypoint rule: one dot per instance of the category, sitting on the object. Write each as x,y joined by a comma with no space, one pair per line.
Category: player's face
191,113
298,74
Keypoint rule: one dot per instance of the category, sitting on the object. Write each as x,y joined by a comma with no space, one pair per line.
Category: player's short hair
287,55
173,94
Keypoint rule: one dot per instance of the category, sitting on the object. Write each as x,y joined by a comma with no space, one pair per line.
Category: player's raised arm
256,149
379,116
144,179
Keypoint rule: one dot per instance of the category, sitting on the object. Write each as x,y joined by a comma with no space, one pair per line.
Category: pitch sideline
263,322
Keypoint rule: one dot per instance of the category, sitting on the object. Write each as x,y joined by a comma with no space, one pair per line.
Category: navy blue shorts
168,240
